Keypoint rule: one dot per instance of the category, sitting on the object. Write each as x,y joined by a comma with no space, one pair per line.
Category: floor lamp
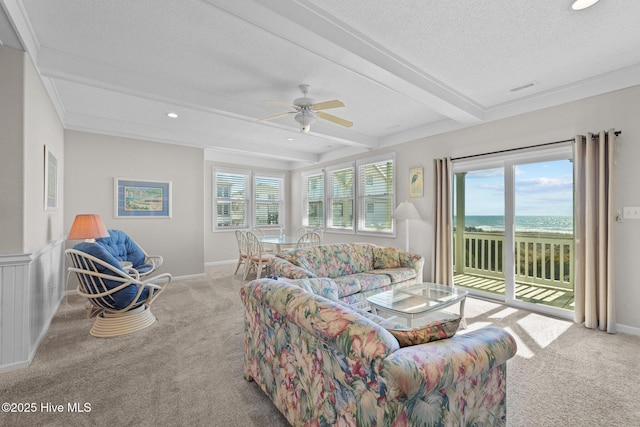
406,211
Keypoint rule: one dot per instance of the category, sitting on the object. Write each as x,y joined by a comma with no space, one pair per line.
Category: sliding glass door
479,231
513,228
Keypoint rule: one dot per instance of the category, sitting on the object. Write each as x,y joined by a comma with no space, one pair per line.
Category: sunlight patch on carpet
543,330
503,313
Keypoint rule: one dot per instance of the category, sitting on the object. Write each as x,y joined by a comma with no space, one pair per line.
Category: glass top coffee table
419,300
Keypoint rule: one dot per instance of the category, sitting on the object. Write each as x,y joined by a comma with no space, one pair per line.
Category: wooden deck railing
545,259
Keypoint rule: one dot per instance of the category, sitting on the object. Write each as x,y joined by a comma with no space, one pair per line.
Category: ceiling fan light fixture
305,118
583,4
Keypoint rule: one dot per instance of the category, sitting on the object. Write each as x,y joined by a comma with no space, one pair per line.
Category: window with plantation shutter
231,199
376,195
269,200
313,200
340,200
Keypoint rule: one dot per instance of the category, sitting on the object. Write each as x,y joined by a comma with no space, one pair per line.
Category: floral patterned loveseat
354,270
324,363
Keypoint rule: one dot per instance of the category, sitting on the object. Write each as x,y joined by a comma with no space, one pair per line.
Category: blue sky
541,189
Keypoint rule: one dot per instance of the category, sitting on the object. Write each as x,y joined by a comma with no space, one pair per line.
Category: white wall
11,160
93,161
41,127
619,110
31,256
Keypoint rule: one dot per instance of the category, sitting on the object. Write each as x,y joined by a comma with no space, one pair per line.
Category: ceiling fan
307,111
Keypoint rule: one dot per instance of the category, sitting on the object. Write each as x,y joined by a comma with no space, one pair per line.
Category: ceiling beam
306,25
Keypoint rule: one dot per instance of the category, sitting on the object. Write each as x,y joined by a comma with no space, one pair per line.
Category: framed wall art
50,180
136,198
416,182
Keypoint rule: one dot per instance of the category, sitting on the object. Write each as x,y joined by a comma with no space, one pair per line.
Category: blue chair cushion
123,297
123,248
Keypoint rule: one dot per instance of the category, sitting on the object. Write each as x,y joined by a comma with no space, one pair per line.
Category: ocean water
539,223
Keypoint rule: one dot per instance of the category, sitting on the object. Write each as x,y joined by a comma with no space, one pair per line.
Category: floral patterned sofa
325,363
354,270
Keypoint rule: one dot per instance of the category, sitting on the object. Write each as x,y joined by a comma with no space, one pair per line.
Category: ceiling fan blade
328,104
280,103
275,116
334,119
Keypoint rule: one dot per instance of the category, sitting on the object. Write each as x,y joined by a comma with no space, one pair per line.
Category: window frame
330,198
250,201
306,199
363,199
280,202
247,202
358,197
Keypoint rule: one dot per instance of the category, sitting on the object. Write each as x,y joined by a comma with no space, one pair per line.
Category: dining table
280,242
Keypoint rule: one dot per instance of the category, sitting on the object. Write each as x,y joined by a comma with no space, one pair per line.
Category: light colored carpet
187,368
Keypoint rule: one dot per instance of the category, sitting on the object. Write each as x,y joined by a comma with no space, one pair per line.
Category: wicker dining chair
308,240
243,252
258,259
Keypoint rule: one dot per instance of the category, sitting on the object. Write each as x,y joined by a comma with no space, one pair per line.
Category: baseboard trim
627,329
214,263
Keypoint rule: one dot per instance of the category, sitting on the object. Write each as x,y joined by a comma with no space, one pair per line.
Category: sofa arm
415,261
421,369
280,267
339,327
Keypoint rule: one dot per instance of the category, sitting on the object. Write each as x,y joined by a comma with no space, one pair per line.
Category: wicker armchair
120,299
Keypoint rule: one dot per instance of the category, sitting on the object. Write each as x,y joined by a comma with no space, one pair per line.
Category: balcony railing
540,258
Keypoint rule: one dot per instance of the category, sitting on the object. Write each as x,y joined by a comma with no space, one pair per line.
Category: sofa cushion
123,248
335,260
124,296
322,286
432,331
386,257
396,275
361,282
347,285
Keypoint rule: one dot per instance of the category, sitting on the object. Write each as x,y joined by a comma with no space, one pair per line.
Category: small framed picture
50,180
137,198
416,182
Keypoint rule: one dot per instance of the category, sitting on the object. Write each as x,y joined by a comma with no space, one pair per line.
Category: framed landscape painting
142,198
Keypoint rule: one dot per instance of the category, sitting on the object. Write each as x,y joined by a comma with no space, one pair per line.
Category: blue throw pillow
123,297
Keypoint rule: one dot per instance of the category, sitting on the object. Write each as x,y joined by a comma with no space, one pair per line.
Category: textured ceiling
405,70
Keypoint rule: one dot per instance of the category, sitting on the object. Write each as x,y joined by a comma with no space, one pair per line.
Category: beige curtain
442,269
595,216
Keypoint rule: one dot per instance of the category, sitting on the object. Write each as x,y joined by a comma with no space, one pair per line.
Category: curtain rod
618,132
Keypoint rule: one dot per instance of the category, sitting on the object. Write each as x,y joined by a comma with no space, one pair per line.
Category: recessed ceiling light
289,139
172,115
583,4
525,86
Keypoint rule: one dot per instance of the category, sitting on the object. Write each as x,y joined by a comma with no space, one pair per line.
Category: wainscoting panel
31,288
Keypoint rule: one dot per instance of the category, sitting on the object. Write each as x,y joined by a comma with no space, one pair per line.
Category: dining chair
243,253
259,232
308,240
257,259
